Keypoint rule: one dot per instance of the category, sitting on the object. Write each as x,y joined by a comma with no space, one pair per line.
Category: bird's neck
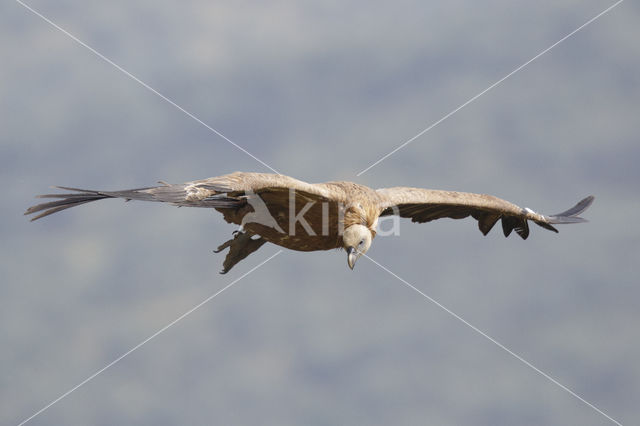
362,213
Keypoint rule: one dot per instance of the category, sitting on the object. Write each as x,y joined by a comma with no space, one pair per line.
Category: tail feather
173,194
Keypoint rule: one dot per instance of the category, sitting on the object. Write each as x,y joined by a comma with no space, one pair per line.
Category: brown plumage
308,217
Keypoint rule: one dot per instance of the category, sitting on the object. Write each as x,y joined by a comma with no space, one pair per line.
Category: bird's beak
352,256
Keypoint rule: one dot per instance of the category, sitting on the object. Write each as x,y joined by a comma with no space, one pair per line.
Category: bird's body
307,217
328,208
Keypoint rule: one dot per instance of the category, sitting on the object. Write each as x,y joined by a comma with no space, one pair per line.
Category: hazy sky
320,91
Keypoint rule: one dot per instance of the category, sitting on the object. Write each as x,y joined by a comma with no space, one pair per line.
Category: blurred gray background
320,90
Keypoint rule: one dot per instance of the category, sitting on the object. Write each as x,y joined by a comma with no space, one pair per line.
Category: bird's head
356,240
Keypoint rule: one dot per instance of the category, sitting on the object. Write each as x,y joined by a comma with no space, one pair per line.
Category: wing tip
571,215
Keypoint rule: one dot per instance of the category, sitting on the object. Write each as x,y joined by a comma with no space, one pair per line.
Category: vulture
307,217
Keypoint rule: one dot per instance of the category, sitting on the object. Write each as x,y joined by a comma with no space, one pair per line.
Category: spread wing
227,192
257,198
425,205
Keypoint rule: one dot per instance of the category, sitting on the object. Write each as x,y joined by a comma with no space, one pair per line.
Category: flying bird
307,217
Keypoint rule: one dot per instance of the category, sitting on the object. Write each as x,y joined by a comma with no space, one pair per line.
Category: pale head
356,240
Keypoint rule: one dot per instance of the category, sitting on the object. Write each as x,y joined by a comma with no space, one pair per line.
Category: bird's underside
308,217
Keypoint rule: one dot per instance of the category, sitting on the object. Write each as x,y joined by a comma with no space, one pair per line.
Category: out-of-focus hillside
319,91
